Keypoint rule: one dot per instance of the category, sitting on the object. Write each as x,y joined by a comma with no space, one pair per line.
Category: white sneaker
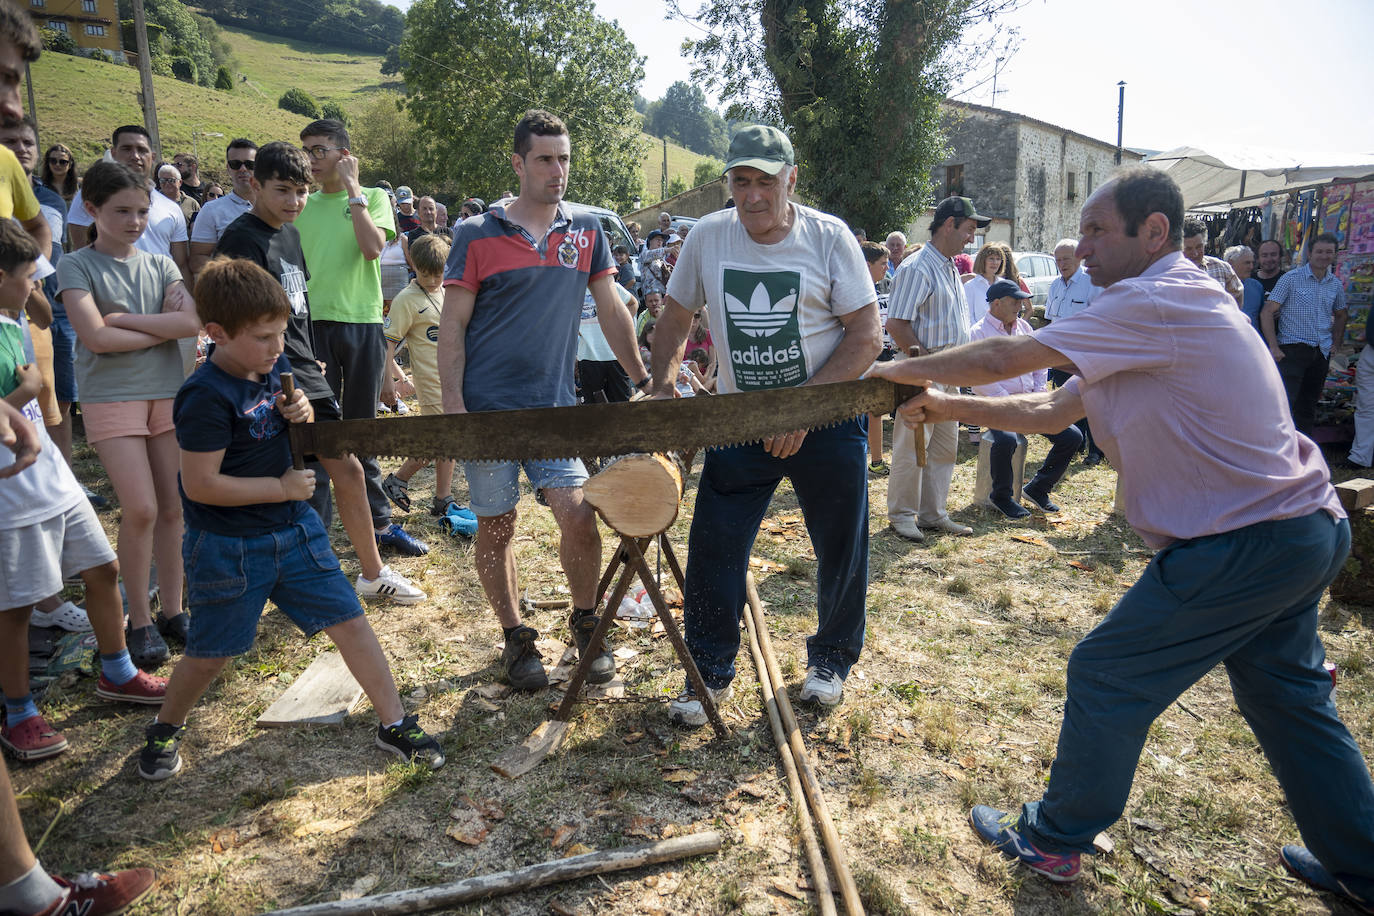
401,408
687,709
66,615
389,584
907,528
382,409
950,526
822,686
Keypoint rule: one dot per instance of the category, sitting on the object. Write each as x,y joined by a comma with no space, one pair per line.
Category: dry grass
956,701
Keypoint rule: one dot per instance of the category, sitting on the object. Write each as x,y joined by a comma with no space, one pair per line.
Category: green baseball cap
761,147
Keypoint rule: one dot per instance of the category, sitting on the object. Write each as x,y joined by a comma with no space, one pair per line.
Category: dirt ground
956,701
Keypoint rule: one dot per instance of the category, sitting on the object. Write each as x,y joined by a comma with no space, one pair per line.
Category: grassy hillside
108,96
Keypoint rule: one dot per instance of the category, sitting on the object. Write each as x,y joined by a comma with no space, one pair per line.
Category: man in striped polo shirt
513,293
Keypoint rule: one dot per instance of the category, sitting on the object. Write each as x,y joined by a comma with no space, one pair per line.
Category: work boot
602,668
521,664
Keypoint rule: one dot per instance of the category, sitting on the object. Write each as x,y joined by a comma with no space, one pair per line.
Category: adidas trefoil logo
761,317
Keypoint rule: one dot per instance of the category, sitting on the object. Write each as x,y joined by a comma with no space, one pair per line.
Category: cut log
423,899
637,494
324,694
1356,494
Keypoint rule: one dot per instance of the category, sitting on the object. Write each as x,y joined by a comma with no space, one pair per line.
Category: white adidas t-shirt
774,308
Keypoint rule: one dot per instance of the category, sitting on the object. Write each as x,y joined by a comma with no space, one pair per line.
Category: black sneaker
1009,507
602,668
521,664
409,742
146,647
1044,502
159,759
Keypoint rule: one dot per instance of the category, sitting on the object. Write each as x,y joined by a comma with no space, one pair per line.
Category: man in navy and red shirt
513,294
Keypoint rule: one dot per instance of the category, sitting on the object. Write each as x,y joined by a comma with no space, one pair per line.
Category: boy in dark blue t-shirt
249,534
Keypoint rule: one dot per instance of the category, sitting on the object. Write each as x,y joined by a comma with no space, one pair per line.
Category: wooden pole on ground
819,878
849,891
424,899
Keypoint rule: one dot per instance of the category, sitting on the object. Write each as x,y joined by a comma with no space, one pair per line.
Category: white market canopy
1228,175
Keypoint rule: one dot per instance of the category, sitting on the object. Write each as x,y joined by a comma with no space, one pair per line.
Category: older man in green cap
791,303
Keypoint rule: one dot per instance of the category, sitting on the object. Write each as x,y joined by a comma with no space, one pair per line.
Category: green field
79,100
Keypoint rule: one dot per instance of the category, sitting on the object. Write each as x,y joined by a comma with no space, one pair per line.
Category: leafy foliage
361,25
707,170
857,84
224,80
58,42
184,69
389,145
683,115
300,102
676,185
182,34
101,55
472,69
333,109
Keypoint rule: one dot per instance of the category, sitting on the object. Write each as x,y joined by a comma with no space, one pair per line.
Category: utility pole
33,107
1120,113
996,68
145,79
663,193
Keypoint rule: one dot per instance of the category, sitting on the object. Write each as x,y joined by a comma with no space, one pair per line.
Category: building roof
1001,112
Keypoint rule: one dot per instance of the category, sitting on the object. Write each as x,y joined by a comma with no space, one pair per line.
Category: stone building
1030,176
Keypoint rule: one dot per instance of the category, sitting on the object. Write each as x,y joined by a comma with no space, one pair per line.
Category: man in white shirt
166,229
216,215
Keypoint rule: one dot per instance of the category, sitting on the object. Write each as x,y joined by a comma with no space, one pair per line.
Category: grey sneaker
409,742
602,668
822,686
687,709
159,758
521,664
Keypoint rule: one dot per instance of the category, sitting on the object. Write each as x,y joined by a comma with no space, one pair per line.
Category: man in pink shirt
1003,319
1240,506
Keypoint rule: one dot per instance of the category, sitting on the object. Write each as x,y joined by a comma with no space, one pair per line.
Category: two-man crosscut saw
594,430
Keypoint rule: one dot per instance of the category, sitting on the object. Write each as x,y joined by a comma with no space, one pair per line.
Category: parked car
611,223
680,221
1038,270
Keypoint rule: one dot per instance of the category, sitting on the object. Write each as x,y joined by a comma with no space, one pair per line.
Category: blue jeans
830,477
1058,378
1063,446
1245,598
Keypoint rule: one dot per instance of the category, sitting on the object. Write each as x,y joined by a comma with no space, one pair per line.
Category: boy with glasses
217,214
344,228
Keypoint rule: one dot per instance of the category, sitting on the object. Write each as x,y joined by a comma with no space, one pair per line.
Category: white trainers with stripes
391,585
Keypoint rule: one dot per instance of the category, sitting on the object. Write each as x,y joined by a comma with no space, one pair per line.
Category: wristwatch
643,383
361,201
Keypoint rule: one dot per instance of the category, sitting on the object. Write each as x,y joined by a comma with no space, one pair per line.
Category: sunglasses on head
52,161
236,164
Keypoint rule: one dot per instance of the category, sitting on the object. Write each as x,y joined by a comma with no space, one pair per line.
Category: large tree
683,115
857,84
472,68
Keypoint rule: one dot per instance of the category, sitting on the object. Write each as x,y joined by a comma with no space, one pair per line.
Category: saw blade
595,430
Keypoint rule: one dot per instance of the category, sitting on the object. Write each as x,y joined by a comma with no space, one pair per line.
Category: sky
1252,73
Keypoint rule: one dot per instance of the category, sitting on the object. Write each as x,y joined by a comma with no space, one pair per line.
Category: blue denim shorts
230,579
494,486
63,357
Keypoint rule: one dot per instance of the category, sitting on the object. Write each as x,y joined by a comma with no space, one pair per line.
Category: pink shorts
115,419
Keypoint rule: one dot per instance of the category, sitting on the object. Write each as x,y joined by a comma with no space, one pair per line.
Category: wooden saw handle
905,393
288,388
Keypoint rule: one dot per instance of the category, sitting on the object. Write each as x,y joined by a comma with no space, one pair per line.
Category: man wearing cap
927,313
1003,319
1248,536
791,303
654,269
406,219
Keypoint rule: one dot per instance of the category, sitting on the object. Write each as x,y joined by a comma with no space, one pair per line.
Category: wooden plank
324,694
1356,494
516,761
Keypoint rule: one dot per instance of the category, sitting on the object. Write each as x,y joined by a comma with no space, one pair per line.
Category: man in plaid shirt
1194,246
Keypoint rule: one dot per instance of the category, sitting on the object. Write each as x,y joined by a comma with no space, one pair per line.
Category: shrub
300,102
184,69
101,55
224,80
59,42
332,109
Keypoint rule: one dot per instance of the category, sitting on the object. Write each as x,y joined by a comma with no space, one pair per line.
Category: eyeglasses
319,152
168,180
211,195
52,161
236,164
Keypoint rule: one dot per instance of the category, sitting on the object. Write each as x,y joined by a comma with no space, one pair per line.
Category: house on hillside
1030,176
92,24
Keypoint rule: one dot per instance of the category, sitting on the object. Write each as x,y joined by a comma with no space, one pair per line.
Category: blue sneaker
1000,829
400,541
1357,891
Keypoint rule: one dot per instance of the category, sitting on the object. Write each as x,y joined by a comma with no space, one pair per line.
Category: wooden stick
849,891
423,899
288,388
920,432
819,877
